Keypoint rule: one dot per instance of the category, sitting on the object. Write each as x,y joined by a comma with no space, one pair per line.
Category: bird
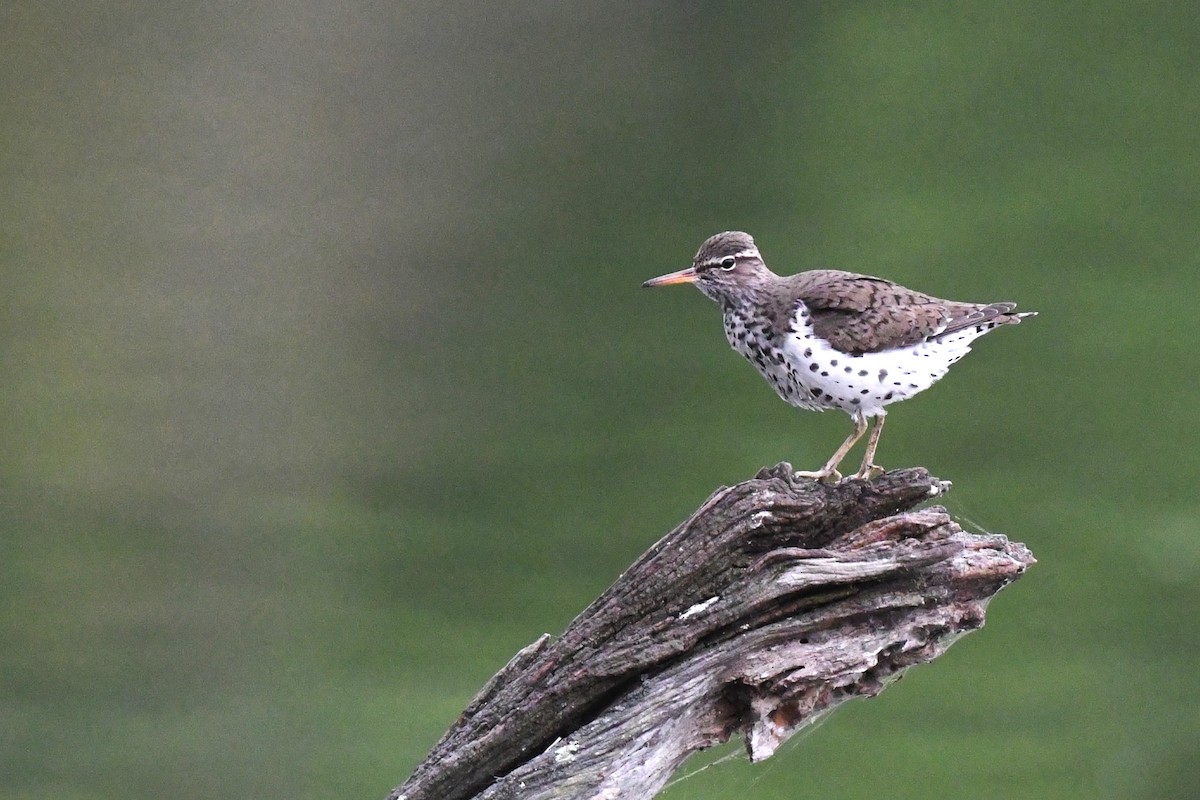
828,339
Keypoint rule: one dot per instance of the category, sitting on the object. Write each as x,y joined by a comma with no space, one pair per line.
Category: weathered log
777,600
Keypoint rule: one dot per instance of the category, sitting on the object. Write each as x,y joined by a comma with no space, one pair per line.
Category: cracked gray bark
776,601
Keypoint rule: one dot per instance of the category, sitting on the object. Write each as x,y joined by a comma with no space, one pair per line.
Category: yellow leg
829,473
869,468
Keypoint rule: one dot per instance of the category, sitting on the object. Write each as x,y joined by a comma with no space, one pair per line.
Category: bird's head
726,267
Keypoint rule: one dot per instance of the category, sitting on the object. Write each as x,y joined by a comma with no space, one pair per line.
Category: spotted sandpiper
831,339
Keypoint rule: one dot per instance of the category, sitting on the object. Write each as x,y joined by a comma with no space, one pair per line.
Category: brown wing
861,314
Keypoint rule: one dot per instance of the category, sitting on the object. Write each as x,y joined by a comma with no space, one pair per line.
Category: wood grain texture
777,600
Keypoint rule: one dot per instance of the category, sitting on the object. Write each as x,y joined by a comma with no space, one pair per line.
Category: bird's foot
869,472
823,475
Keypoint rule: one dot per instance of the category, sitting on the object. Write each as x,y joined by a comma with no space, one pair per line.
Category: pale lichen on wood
776,601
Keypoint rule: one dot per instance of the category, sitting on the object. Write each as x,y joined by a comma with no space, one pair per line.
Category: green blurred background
328,383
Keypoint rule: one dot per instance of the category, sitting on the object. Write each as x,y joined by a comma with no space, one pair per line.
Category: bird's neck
746,301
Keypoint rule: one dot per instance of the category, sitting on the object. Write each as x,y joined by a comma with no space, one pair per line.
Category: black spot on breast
882,375
833,363
855,401
813,367
888,396
808,352
862,373
865,391
848,370
824,374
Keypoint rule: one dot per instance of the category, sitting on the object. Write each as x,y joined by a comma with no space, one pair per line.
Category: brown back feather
862,314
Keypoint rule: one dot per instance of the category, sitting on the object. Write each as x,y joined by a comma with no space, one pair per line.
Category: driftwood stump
776,601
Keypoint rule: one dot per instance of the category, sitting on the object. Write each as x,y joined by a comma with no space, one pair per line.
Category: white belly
811,374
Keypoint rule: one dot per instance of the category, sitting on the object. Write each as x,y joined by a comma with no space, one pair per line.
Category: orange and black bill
682,276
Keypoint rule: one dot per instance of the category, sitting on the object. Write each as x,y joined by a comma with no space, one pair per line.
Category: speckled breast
809,373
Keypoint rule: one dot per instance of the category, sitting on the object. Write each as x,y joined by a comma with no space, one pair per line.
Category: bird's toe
869,472
827,476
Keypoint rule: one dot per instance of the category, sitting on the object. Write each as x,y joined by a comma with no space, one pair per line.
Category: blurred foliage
328,383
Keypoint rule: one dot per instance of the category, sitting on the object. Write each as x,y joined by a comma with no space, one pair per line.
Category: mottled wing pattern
862,314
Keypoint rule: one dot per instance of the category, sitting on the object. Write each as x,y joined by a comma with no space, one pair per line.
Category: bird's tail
989,316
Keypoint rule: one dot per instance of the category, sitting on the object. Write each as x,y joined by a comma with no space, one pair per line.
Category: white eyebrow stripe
712,262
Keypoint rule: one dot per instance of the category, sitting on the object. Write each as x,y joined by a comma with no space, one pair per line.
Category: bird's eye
728,263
